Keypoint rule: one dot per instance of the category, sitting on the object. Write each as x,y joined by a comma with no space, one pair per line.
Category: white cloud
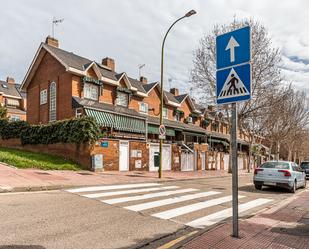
131,31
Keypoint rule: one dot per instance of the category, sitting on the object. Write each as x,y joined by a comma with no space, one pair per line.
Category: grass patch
24,159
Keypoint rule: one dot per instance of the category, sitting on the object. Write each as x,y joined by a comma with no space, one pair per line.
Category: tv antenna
140,66
170,80
55,22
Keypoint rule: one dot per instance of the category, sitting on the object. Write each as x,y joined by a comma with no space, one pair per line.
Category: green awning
116,121
212,140
155,130
194,134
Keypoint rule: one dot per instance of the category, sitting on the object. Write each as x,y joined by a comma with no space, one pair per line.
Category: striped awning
152,129
117,122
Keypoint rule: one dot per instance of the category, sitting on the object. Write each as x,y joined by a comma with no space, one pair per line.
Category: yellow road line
174,242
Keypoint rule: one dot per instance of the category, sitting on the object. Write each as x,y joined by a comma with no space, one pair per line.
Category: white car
281,174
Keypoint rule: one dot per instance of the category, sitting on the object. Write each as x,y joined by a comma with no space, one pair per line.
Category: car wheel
258,187
293,189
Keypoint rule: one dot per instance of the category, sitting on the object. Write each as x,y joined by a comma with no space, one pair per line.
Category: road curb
9,189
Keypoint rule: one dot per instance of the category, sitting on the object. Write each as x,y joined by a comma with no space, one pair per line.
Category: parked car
280,174
305,167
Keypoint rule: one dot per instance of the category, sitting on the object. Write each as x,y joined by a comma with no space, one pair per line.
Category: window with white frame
14,118
12,102
91,91
143,107
122,99
52,102
165,112
78,112
43,97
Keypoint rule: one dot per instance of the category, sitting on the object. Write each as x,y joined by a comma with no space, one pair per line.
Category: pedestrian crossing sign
233,84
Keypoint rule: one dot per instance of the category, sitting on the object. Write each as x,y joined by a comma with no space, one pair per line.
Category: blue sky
131,32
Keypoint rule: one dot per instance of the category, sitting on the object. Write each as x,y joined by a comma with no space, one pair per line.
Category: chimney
143,79
109,62
52,41
10,80
174,91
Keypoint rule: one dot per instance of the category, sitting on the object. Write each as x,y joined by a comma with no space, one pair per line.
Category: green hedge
80,130
12,129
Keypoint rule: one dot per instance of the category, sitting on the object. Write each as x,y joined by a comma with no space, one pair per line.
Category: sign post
234,85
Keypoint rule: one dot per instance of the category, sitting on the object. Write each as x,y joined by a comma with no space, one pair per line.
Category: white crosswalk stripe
112,187
193,207
175,207
148,196
164,202
226,213
131,191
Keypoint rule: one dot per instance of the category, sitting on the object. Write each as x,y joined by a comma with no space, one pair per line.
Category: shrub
12,129
79,130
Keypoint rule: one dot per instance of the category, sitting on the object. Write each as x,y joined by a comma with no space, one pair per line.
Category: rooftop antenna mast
55,22
140,66
170,81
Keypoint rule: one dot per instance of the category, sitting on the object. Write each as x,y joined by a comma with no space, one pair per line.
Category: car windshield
304,165
275,165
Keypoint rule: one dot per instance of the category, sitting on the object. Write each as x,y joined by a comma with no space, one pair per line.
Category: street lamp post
190,13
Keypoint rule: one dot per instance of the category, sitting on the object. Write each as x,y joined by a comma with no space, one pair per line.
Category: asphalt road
60,219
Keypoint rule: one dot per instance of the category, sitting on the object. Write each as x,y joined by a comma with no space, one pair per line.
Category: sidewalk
281,227
14,180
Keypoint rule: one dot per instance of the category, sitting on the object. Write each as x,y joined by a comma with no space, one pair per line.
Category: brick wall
79,154
176,157
48,71
110,154
141,146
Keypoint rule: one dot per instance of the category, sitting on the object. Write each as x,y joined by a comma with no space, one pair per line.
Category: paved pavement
16,180
130,215
286,227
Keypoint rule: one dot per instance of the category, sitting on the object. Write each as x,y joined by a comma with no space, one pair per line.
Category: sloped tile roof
78,102
149,86
69,58
9,89
181,97
170,97
137,84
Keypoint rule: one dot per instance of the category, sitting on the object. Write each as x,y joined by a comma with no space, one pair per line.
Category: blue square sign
233,48
234,84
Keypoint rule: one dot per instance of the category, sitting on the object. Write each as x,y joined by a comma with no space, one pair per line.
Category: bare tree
265,72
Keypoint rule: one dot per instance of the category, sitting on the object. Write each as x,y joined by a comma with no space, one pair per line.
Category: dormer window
122,99
91,91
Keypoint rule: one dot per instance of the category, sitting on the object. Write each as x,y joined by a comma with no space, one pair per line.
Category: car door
298,174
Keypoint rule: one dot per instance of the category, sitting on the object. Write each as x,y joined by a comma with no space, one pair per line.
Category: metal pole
162,92
234,170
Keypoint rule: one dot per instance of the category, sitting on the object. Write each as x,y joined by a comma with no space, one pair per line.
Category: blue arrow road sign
233,48
234,84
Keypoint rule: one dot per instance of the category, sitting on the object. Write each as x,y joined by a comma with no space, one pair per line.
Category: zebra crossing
190,206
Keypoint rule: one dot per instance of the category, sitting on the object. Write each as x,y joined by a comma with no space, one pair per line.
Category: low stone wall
79,154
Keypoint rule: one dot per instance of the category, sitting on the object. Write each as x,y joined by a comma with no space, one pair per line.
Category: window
91,91
143,107
43,97
14,118
52,102
122,99
165,112
78,112
177,117
12,102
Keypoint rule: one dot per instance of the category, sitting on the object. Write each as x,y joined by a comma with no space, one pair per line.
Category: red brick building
62,85
12,99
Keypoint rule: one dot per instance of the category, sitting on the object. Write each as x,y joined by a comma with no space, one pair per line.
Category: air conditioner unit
189,119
